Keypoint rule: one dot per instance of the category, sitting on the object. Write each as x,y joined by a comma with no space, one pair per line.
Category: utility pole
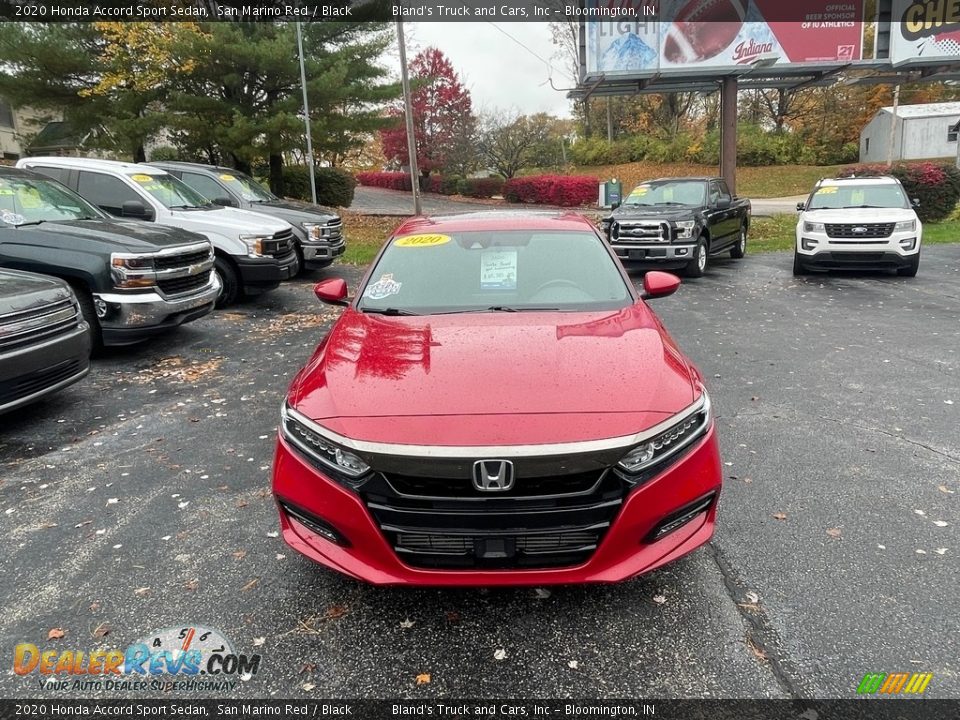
408,113
306,115
893,126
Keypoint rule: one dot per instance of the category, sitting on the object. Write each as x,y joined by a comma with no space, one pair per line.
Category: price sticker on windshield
227,178
827,190
141,178
640,190
416,241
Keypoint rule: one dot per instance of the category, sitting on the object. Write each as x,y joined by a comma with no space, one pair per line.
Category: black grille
280,244
51,321
186,284
859,231
26,385
560,526
166,262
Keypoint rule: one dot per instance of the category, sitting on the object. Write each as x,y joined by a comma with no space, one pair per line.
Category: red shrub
562,190
389,180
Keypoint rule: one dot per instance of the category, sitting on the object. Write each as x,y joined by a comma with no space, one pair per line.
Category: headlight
685,228
254,244
342,465
692,424
132,271
315,231
814,227
905,226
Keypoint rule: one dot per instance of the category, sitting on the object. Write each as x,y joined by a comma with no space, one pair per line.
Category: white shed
923,132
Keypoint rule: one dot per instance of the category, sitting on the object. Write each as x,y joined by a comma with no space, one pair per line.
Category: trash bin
611,193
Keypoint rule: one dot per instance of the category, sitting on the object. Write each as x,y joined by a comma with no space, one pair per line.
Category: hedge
563,190
334,187
470,187
935,185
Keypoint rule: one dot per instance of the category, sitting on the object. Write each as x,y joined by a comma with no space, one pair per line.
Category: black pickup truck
678,223
131,279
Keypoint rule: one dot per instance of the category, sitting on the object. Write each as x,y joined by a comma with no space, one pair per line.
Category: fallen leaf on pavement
257,642
142,591
500,654
453,617
660,599
573,664
192,584
55,634
101,631
250,585
308,686
336,611
779,516
758,651
240,554
945,489
407,624
834,532
423,679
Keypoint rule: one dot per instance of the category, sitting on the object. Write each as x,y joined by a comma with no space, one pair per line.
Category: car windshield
246,187
170,192
495,271
858,195
686,192
28,200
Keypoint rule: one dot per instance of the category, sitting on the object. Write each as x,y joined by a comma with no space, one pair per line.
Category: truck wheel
911,269
698,265
740,249
301,265
798,268
229,283
89,313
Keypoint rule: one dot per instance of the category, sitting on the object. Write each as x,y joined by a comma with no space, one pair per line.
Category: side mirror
801,207
658,284
136,209
724,203
915,202
333,291
224,201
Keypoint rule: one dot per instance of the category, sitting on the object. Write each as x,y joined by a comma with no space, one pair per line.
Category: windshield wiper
387,311
857,207
32,222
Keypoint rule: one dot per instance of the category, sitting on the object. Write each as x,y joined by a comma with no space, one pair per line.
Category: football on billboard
702,29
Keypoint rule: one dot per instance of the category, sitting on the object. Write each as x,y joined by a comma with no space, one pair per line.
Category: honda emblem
493,475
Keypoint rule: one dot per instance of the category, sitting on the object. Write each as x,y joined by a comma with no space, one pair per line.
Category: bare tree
508,139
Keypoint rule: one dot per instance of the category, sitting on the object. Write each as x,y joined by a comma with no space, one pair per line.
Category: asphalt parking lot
139,499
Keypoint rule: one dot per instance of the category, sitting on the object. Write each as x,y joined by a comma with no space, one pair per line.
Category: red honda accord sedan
497,406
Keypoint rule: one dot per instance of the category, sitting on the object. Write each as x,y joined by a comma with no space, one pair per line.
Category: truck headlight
905,226
814,227
254,244
655,450
131,271
340,464
316,231
685,229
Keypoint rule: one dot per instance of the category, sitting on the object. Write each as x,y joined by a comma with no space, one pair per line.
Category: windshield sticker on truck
640,191
227,178
498,270
422,240
141,178
11,218
827,190
382,288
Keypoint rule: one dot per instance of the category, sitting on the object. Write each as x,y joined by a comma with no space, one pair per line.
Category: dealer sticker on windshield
422,240
498,270
141,178
383,288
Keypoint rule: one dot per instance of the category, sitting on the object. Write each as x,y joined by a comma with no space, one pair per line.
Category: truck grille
280,244
38,324
543,522
34,382
859,231
333,230
178,286
640,232
183,260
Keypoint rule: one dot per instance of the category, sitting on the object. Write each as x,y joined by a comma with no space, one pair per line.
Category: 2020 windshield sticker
382,288
422,240
498,270
141,178
227,177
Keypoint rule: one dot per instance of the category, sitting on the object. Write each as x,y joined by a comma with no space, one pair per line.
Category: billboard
697,35
922,32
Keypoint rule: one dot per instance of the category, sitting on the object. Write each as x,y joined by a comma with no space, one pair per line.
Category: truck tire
911,269
89,312
740,249
698,264
798,268
301,265
229,282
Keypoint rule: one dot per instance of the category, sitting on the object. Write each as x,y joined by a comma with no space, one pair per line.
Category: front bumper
265,273
131,318
32,372
817,251
659,255
624,552
318,255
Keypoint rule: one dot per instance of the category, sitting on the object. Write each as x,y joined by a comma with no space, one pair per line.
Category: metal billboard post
408,116
306,116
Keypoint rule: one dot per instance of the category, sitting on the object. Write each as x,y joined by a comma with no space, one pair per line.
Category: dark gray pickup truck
132,279
679,223
318,230
44,340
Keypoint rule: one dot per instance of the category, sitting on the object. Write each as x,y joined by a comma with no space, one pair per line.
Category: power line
538,57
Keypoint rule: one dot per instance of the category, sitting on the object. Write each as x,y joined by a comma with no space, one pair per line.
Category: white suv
858,222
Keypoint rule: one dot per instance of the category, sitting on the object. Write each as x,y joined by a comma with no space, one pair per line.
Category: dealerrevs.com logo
190,658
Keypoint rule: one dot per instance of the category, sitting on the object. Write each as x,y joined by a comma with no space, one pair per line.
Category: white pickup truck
254,252
858,223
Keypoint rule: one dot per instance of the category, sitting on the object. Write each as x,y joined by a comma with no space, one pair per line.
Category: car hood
109,235
495,378
230,221
625,212
295,212
21,291
859,215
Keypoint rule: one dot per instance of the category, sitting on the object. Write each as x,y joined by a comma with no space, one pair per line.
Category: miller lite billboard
695,35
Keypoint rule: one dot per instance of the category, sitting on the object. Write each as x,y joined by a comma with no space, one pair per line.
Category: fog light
314,524
808,244
681,251
100,306
908,244
680,518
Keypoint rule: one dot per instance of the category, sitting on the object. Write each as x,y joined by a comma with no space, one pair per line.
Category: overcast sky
499,73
